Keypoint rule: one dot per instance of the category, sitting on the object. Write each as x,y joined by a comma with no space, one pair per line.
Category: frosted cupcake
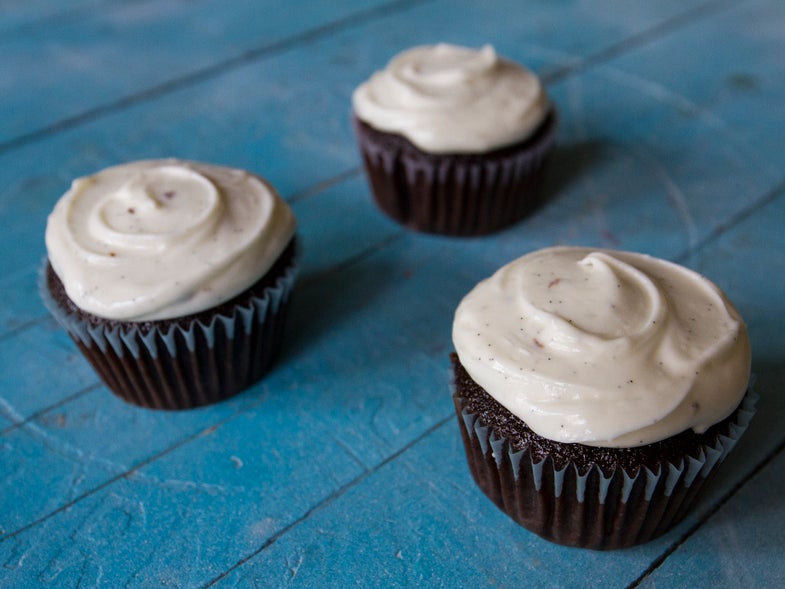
598,391
454,140
172,277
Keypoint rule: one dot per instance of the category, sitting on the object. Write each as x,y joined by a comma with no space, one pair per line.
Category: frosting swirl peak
160,239
604,348
450,99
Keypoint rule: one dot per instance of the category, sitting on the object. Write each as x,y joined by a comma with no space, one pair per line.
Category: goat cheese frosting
160,239
451,99
604,348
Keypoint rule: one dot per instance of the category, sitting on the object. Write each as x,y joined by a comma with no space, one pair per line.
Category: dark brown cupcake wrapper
179,365
591,509
455,194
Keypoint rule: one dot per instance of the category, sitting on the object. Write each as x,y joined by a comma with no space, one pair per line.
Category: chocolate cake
501,449
189,361
455,194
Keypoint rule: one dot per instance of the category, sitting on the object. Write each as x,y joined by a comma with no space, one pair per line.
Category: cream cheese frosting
160,239
604,348
450,99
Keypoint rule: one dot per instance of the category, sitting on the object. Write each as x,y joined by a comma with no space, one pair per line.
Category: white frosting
161,239
604,348
450,99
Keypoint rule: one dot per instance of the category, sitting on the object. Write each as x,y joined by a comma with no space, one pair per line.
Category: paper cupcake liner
585,507
180,364
455,194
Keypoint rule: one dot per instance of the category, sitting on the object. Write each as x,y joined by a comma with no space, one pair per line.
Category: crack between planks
323,185
128,473
637,40
211,71
328,500
734,220
43,411
22,327
307,281
707,516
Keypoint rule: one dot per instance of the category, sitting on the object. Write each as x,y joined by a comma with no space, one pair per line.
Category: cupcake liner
455,194
587,507
188,362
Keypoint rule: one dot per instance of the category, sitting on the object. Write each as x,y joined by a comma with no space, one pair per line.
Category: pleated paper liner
583,506
185,362
455,194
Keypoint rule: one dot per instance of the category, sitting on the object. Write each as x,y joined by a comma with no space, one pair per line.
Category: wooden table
344,467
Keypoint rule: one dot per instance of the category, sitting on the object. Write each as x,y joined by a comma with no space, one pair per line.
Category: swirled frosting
605,348
450,99
161,239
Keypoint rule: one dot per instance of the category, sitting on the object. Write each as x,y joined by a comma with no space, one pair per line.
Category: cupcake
598,391
172,277
454,140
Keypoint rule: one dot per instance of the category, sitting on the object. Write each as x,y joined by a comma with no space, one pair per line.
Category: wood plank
345,466
48,69
736,87
740,546
27,381
20,16
420,521
145,520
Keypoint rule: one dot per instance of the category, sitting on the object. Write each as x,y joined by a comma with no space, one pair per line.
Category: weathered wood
344,466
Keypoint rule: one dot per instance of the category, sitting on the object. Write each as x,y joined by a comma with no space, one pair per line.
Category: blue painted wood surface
345,467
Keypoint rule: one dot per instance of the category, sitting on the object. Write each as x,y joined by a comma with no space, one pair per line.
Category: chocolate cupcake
172,277
454,141
597,392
